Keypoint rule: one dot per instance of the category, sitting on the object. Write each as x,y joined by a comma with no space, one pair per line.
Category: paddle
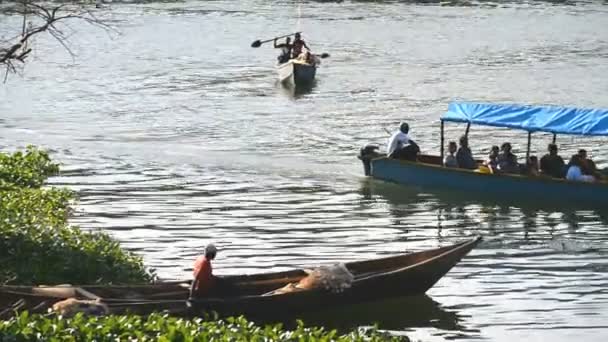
323,55
259,43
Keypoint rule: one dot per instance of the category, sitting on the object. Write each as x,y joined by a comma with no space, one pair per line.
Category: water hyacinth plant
157,327
37,246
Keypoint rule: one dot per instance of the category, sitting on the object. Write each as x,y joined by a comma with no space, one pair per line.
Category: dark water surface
175,134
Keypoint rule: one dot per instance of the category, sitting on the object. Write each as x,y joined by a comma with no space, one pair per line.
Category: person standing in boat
401,146
203,280
298,46
285,50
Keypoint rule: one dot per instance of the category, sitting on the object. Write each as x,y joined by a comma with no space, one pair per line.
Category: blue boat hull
511,186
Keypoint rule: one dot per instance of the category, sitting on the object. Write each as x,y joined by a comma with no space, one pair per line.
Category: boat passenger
492,161
298,46
587,165
450,159
464,156
285,50
507,161
401,146
532,166
552,164
203,279
307,56
575,172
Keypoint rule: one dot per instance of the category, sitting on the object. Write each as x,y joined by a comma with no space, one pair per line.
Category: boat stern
366,154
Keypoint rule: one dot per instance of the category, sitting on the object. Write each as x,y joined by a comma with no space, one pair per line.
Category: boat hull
393,277
296,73
433,176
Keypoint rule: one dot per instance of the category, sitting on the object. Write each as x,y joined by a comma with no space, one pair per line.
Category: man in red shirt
203,274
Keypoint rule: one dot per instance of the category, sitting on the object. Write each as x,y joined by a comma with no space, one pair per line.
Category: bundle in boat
334,278
71,306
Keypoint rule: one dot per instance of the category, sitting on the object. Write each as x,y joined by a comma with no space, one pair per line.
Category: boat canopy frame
530,118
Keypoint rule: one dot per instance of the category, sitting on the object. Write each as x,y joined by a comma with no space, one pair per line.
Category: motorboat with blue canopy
428,170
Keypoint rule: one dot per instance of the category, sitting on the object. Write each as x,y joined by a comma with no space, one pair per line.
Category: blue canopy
553,119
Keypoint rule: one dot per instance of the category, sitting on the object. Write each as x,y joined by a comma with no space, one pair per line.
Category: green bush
157,327
37,246
29,169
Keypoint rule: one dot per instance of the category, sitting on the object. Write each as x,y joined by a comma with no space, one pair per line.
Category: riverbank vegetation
157,327
37,246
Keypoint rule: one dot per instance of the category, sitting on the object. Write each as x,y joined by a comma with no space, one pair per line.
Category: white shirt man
398,140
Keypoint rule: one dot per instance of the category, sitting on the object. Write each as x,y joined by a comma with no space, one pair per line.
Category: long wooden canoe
297,72
391,277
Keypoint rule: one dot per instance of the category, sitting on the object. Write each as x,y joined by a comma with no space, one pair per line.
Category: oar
323,55
259,43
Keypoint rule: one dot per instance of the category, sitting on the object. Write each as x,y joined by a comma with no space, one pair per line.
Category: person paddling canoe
285,50
298,46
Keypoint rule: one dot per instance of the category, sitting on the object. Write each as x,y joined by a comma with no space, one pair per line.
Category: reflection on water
294,91
483,211
394,314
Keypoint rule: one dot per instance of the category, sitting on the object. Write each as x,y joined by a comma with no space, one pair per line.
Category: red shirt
203,276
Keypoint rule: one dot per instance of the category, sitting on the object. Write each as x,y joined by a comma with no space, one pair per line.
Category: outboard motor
366,154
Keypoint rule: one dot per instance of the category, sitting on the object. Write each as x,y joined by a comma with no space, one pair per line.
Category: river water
175,134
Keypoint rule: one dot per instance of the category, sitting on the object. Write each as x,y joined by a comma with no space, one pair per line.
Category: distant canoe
377,279
297,72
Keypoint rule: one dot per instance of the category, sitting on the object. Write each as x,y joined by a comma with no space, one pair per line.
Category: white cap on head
210,248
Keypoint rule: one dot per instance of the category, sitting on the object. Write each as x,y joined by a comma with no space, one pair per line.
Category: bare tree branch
41,16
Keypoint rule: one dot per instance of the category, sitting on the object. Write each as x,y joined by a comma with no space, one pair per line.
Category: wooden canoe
297,72
391,277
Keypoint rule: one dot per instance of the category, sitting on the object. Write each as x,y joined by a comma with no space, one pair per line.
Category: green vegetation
37,246
158,327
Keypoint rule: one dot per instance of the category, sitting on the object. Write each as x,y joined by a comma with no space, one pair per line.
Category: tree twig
43,17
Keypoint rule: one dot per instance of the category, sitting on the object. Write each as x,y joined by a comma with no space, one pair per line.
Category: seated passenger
532,166
552,164
400,146
587,165
492,161
307,56
464,157
575,172
507,161
204,280
450,159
